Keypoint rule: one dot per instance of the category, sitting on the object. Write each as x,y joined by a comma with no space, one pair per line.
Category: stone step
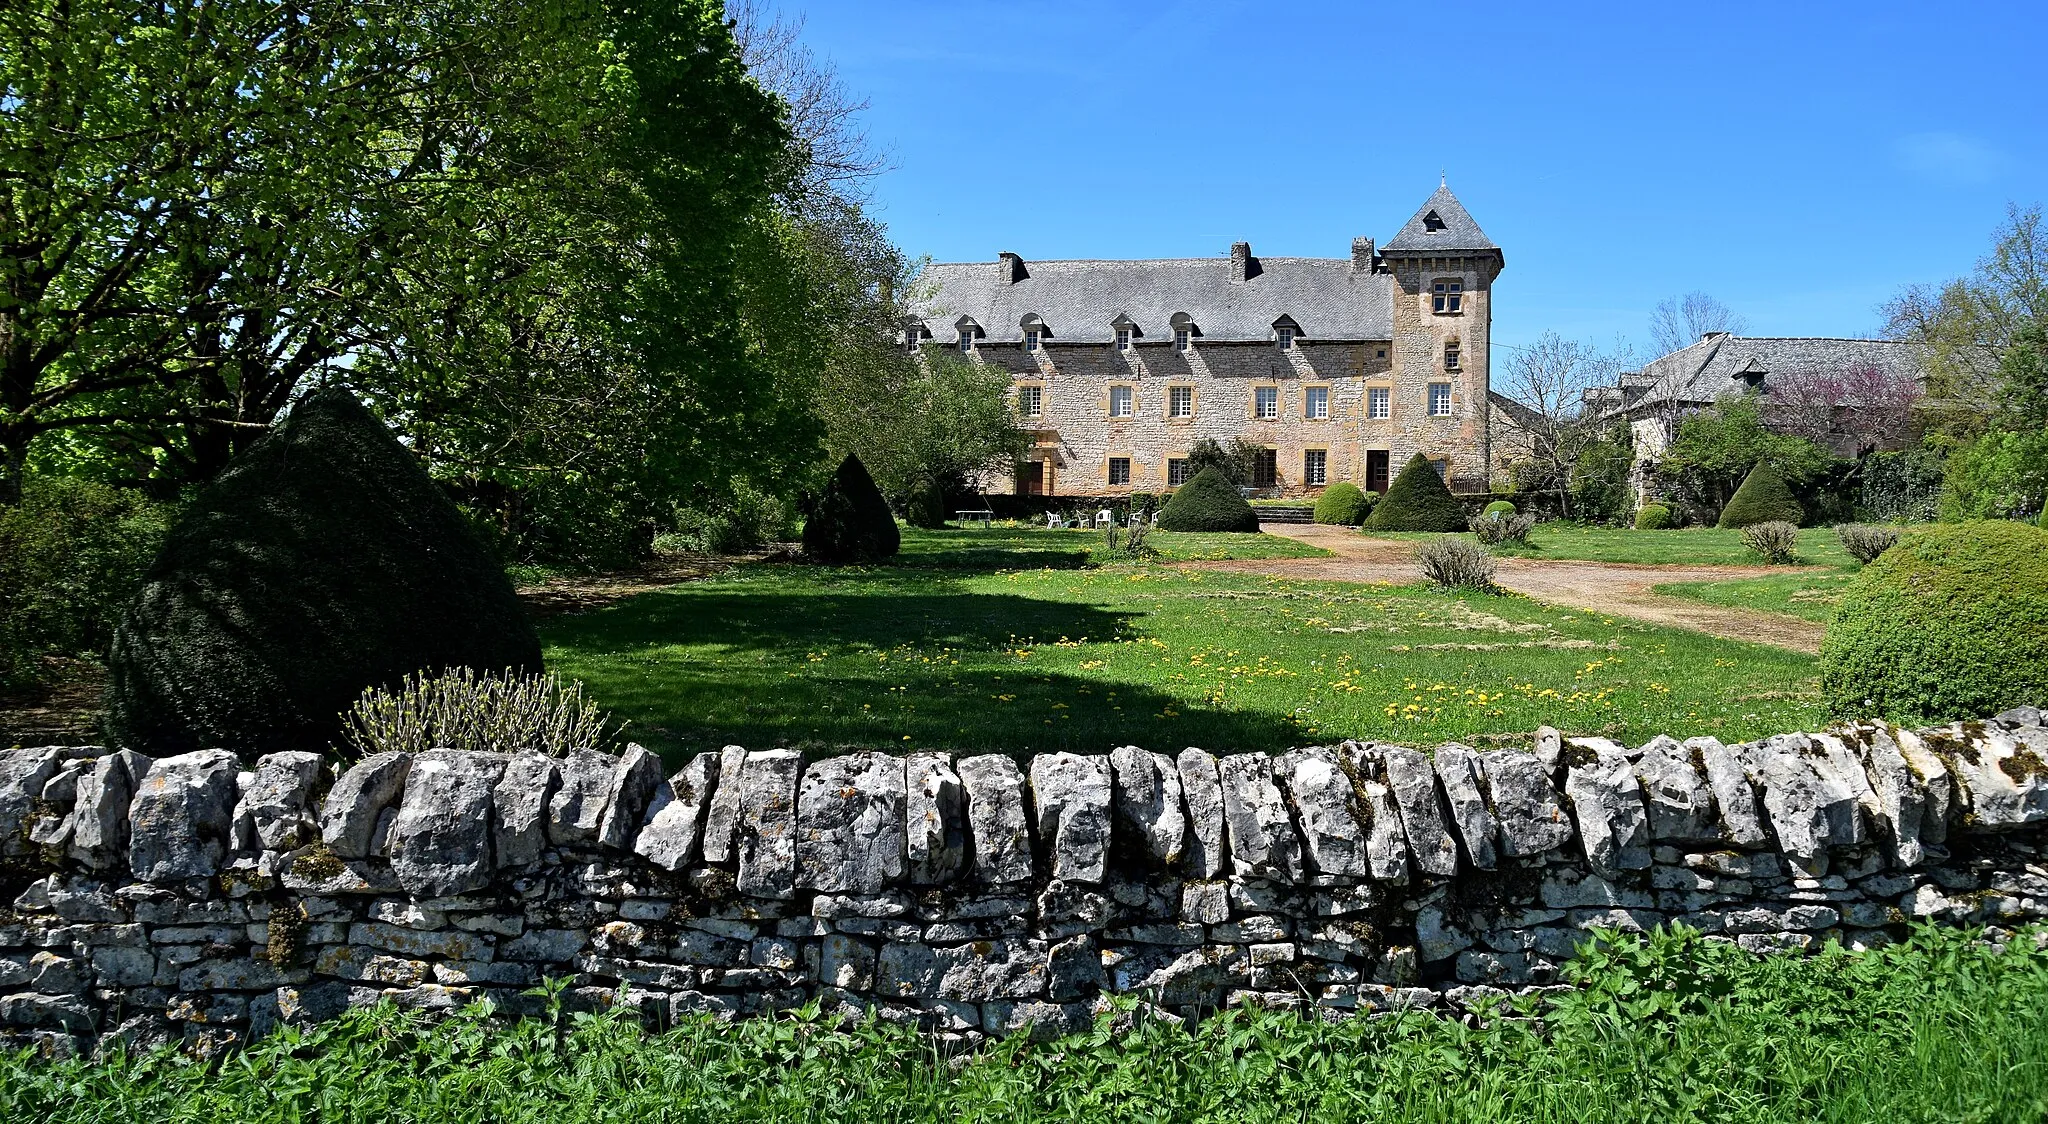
1304,513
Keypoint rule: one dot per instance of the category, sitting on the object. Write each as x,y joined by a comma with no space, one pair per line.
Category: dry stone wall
204,898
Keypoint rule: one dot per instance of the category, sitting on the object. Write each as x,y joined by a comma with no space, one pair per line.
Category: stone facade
192,898
1283,353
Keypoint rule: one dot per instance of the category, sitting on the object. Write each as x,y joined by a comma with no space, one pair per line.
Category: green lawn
933,654
1025,547
1810,593
1693,546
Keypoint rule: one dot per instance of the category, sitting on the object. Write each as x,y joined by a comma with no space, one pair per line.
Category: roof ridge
1221,259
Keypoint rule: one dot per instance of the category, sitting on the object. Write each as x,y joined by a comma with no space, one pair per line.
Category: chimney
1361,255
1010,268
1243,266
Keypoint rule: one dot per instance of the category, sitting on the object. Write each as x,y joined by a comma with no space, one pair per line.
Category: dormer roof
1441,226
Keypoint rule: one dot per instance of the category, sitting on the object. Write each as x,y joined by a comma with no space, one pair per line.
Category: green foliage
1950,623
1775,539
1417,501
1500,507
1654,517
1208,503
1901,487
1716,448
323,562
850,523
1667,1027
1762,498
745,518
1864,542
925,505
1989,312
2000,474
1599,479
924,424
1129,543
492,712
1237,461
2023,377
1342,504
2042,520
71,557
1493,530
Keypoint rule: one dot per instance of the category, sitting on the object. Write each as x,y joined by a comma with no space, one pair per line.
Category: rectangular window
1180,401
1287,339
1265,401
1123,339
1315,467
1379,402
1451,356
1120,401
1031,340
1176,472
1266,468
1119,470
1030,401
1447,297
1443,469
910,339
1439,399
1316,403
1180,339
967,339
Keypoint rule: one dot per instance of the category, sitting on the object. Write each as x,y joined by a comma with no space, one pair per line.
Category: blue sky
1799,161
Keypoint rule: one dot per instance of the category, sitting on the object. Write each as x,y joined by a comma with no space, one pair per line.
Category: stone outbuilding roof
1718,364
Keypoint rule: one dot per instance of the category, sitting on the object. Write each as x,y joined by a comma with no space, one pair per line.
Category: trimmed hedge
1342,504
1654,517
1762,498
1418,501
1207,503
925,505
1499,508
1950,623
851,523
322,562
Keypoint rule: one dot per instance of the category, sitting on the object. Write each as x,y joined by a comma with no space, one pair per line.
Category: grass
1025,547
1804,593
1672,1028
1694,546
941,651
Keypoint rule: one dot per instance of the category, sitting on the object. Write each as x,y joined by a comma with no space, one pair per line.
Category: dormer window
1184,331
1181,339
1287,339
1447,297
1285,332
1432,222
967,339
1035,331
968,329
1123,339
912,336
1031,339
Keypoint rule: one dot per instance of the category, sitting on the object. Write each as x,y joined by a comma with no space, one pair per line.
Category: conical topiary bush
851,522
1207,503
323,561
1761,498
1417,501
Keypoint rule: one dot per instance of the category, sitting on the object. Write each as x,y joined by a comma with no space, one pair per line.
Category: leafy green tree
1237,461
1970,323
933,421
1716,447
2001,474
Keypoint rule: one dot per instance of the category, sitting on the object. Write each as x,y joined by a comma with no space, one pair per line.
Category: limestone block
577,807
1614,824
1201,787
180,816
2006,780
520,831
722,816
1526,807
1944,802
1680,800
1793,800
1263,842
1735,798
1458,771
849,824
23,773
360,795
633,784
1847,786
1899,802
277,804
669,840
441,840
1386,843
1070,800
1330,812
1413,784
995,818
1148,803
99,815
935,818
767,834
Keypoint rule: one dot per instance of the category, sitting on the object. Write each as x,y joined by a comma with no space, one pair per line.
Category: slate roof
1457,234
1079,299
1714,365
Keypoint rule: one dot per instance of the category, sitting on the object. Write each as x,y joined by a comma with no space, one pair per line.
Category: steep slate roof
1459,233
1711,366
1079,299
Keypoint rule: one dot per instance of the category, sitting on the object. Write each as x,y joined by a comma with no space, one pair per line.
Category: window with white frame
1176,471
1439,399
1031,339
1379,402
1120,402
1123,339
1266,402
911,338
1180,401
1030,401
1119,470
967,339
1181,339
1286,339
1447,297
1315,467
1315,404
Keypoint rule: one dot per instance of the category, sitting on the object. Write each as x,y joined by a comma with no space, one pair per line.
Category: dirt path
1614,588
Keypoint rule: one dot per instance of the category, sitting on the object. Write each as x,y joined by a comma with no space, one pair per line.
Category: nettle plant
500,712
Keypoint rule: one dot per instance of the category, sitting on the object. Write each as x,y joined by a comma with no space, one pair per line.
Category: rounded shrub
1207,503
324,561
1950,623
1342,504
1654,517
1417,501
1499,509
1762,498
851,523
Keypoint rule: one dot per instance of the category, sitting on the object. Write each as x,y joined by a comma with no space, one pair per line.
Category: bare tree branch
1679,322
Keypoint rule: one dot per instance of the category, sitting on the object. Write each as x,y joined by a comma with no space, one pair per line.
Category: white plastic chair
1105,518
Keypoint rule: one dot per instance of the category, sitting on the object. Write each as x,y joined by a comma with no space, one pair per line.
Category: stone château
1335,368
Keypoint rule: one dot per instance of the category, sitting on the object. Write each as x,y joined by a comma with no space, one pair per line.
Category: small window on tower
1451,356
1439,399
1432,222
1447,297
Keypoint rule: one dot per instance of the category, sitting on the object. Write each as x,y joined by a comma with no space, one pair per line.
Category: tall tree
1680,321
1969,322
1550,378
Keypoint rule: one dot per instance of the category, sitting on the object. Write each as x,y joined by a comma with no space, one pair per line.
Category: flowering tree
1855,410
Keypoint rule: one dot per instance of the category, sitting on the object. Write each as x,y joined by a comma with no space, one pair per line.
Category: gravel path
1614,588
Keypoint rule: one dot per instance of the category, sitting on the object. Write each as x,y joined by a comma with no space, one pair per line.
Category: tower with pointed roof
1335,369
